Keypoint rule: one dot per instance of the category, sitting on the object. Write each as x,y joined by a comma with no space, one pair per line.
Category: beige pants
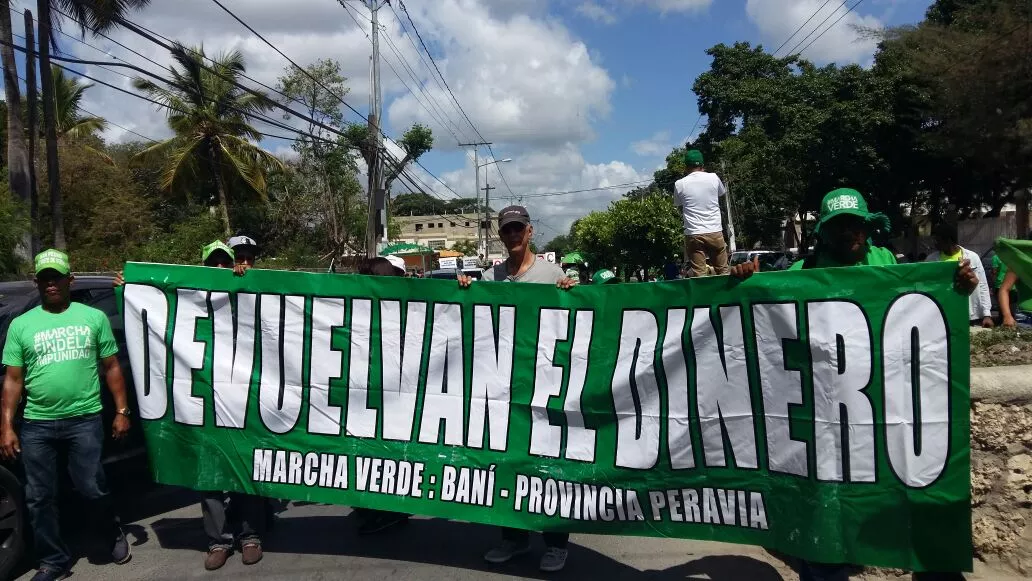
698,248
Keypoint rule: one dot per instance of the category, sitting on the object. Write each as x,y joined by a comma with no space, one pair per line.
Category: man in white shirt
698,197
980,302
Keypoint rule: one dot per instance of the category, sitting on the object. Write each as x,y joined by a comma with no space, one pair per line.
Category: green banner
820,413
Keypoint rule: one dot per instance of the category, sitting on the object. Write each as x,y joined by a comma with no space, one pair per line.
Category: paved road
314,542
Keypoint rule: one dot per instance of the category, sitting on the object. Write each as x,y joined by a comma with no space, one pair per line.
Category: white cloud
605,11
777,19
522,80
664,6
557,169
596,12
526,81
658,144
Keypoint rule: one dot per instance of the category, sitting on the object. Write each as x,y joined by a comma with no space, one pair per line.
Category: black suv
15,299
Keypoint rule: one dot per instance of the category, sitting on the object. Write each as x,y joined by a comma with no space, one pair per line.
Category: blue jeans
82,437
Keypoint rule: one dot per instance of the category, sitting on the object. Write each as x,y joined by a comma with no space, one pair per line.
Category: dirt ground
1001,347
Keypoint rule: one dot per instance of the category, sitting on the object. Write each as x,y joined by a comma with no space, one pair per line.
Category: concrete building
443,231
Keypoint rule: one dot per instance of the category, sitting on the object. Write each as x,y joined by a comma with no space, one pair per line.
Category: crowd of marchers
51,392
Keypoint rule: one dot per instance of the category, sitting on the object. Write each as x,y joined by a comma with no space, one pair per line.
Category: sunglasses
515,228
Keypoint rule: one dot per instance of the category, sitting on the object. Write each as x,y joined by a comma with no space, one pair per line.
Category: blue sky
581,94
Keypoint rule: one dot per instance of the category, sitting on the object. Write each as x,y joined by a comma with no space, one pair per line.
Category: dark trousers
557,540
82,438
250,513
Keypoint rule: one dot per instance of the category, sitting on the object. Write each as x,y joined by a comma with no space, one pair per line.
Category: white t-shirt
698,195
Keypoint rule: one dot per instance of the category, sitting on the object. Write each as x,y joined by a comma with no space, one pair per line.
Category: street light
481,235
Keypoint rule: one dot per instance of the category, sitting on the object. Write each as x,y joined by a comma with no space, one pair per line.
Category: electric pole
376,224
485,240
476,170
730,218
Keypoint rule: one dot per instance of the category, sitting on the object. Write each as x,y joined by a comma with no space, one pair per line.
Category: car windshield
739,257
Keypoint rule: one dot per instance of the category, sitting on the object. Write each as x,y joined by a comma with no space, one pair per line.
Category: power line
851,8
816,28
600,188
415,29
803,25
136,29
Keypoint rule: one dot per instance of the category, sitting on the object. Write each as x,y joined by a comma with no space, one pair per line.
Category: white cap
396,261
241,241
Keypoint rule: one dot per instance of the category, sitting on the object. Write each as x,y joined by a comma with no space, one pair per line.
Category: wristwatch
123,411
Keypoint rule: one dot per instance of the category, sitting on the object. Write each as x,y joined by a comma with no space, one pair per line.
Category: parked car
769,259
15,299
453,273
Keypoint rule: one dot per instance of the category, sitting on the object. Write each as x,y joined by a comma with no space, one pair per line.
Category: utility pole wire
803,25
816,28
851,8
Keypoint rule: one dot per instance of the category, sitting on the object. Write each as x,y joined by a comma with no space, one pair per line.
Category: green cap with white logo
217,246
847,201
53,260
604,276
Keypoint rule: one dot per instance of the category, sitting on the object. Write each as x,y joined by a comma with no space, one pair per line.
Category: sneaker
121,552
251,552
554,559
382,521
216,558
507,550
45,574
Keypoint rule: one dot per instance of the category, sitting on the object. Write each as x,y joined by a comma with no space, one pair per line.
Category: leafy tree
320,199
211,120
561,244
71,124
414,142
646,233
17,154
594,234
13,225
95,16
466,247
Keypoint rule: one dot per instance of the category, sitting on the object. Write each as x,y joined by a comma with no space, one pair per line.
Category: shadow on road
454,544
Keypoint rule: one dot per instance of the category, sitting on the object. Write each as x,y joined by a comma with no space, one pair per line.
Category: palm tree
96,16
17,149
68,94
211,117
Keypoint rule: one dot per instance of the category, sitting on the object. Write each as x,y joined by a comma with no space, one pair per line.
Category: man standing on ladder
697,195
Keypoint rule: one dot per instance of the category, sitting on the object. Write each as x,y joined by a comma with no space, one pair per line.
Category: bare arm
116,385
14,386
1003,298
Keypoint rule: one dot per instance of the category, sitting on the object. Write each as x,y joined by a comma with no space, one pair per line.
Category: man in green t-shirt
844,232
51,356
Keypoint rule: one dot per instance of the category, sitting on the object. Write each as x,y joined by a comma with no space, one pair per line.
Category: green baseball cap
847,201
604,276
214,247
54,260
693,158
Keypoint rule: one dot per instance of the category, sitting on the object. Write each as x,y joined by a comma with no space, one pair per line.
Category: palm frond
84,127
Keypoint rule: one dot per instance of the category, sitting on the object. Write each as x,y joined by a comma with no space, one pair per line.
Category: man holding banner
524,266
844,232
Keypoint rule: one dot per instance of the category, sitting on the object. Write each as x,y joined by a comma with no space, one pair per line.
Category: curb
1011,384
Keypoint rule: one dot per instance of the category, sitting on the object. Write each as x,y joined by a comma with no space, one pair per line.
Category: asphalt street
314,542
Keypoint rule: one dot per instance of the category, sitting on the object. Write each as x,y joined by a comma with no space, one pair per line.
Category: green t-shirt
1000,269
876,256
58,353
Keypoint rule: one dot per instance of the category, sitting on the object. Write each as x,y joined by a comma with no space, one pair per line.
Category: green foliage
561,244
183,243
13,224
213,136
468,247
422,204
